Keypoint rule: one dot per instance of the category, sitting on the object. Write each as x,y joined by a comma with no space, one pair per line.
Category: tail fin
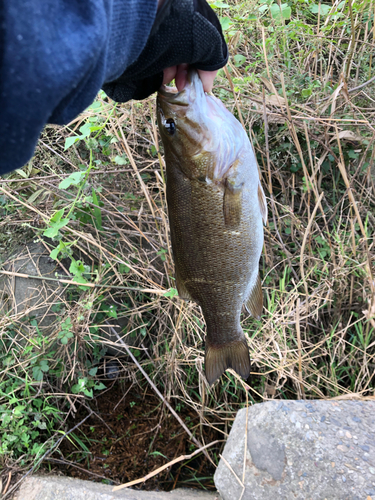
231,355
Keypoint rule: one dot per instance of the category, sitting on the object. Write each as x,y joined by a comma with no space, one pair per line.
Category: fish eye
170,126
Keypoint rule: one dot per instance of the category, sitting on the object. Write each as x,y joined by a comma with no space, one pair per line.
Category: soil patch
131,434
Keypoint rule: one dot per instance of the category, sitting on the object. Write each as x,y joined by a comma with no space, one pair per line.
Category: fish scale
216,210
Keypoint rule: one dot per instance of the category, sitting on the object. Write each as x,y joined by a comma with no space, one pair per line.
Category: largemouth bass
216,209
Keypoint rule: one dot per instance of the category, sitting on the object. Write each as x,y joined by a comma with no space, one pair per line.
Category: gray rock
29,296
286,454
66,488
266,452
35,297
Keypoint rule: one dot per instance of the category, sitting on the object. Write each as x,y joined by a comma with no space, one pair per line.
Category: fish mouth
167,91
172,96
187,95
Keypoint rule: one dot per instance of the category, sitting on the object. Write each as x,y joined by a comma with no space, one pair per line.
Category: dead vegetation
303,88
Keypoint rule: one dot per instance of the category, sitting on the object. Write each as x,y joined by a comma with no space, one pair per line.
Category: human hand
179,74
184,31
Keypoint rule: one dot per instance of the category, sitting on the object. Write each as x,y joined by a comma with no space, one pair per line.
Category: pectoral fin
232,207
262,203
254,302
233,355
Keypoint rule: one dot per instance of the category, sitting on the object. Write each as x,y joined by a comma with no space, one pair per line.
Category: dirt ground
131,435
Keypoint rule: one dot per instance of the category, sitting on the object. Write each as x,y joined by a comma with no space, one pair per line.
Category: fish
216,210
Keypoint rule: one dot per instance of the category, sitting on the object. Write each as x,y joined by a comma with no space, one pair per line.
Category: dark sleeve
54,58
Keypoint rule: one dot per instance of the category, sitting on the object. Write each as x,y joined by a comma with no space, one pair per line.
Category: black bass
216,209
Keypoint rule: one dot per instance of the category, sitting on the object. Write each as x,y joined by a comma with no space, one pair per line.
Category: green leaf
219,5
121,160
157,453
21,173
67,324
35,195
324,8
85,130
55,253
295,168
112,312
162,253
99,387
69,141
44,365
93,371
74,178
172,292
80,386
226,23
123,268
18,410
263,8
306,93
76,267
37,373
95,106
64,336
56,223
51,232
94,197
56,217
97,211
280,12
239,59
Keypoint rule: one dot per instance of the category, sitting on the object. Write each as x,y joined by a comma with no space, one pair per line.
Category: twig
301,389
89,285
232,471
72,464
165,466
158,393
235,97
305,236
7,484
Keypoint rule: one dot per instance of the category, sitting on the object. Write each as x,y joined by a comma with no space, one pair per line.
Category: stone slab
67,488
300,450
31,296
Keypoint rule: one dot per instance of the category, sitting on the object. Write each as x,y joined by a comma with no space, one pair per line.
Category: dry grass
315,151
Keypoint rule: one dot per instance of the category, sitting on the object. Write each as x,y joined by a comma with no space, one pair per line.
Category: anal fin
233,355
254,302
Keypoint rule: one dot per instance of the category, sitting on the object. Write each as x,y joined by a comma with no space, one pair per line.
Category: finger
181,76
207,78
169,74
